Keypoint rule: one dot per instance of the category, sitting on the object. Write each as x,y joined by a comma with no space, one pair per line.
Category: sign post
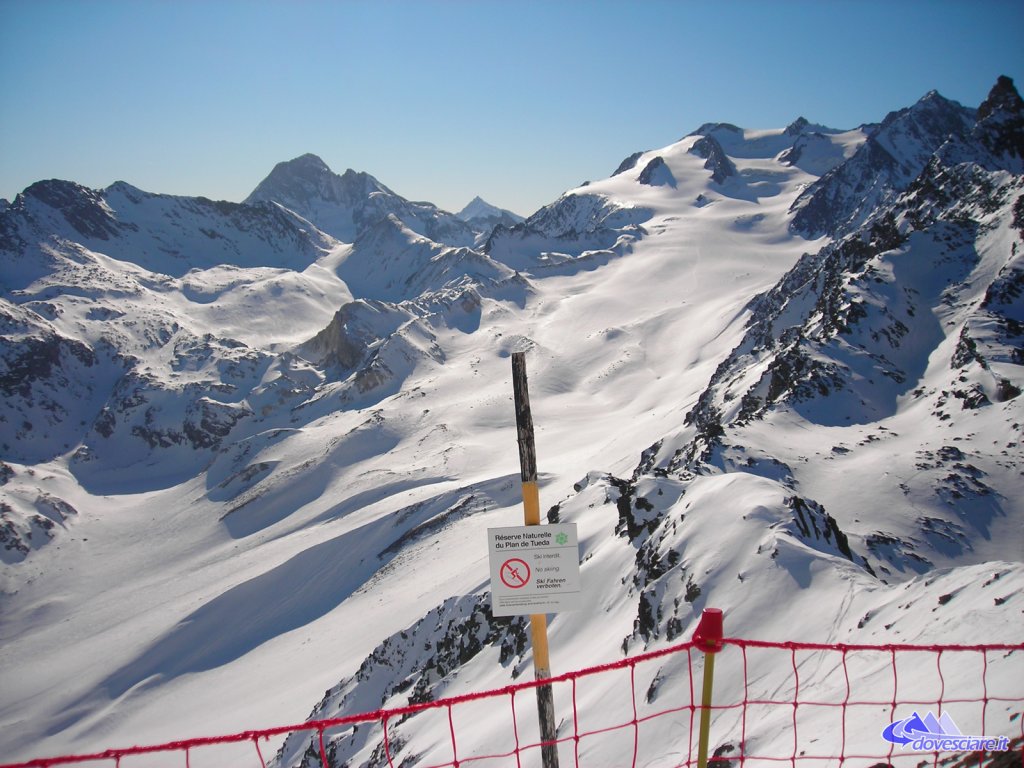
531,515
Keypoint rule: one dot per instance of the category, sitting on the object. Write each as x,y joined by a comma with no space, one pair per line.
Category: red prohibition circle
515,573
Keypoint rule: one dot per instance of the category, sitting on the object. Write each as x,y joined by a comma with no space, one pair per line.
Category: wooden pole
531,516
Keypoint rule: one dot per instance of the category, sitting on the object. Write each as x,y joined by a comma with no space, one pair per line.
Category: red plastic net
800,704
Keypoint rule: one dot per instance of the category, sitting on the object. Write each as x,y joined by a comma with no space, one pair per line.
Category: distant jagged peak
308,177
83,208
709,129
307,161
123,187
55,189
1003,97
475,206
345,205
913,134
797,126
478,208
307,167
748,143
895,153
1000,127
731,135
312,166
935,100
934,110
363,180
802,126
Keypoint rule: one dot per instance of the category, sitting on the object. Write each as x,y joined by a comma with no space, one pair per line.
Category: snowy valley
249,451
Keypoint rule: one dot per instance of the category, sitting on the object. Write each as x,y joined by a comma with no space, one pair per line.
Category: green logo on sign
561,538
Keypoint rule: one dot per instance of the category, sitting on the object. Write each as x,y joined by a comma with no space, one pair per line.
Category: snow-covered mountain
484,217
479,209
773,371
164,234
346,206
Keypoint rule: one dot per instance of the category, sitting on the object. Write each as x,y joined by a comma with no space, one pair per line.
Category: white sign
534,569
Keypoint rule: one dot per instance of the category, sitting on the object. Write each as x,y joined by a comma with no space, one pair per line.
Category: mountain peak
708,129
308,174
307,186
1000,126
351,175
82,208
308,167
480,211
346,205
478,207
309,160
795,128
931,107
1002,96
288,176
894,154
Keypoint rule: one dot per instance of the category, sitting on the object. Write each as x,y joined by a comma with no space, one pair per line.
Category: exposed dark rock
815,524
10,538
83,208
1003,96
657,174
718,161
1000,125
628,164
415,664
636,515
847,195
797,126
335,344
36,359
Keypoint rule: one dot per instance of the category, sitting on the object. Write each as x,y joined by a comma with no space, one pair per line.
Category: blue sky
441,101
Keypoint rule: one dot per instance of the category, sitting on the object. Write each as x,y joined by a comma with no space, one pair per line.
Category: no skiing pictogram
515,573
534,569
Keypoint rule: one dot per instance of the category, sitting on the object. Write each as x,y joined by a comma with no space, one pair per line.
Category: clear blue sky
515,101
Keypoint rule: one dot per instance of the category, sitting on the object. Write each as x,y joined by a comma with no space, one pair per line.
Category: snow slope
231,489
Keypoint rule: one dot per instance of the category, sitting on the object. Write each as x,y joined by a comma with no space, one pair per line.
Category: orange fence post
707,638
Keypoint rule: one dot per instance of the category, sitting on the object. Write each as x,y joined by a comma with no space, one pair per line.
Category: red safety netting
801,704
